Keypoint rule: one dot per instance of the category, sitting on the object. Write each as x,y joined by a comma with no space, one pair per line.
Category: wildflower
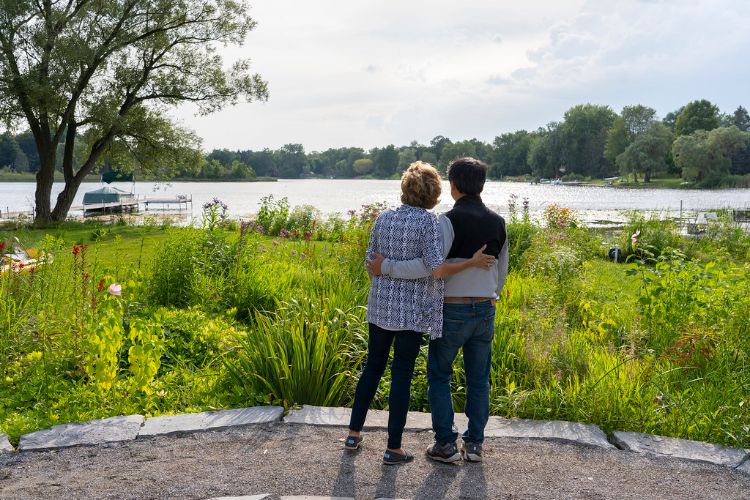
115,290
308,236
276,242
260,229
76,250
634,237
285,234
2,246
100,286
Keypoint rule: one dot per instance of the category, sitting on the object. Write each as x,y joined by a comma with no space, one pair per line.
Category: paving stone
5,446
312,497
211,420
679,448
262,496
376,419
108,430
576,432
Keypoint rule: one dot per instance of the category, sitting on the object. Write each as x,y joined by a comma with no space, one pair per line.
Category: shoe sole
470,457
446,460
385,462
355,447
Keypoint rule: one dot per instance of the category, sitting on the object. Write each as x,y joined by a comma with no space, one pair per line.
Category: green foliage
696,115
303,354
704,156
96,86
659,345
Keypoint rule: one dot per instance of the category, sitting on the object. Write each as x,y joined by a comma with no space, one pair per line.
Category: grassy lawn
225,317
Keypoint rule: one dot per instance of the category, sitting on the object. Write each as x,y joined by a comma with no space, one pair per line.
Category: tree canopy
98,76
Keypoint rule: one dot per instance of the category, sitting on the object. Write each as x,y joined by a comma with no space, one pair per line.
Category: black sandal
393,458
353,442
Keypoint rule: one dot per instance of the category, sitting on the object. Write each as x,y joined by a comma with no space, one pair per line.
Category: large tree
647,153
697,115
704,155
103,72
741,119
633,121
584,135
510,153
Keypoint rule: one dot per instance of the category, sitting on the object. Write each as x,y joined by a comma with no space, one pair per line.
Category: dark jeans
405,350
471,327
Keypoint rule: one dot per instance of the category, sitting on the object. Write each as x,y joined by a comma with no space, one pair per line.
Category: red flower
2,246
76,250
100,286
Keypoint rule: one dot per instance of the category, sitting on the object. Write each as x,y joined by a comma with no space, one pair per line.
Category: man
468,310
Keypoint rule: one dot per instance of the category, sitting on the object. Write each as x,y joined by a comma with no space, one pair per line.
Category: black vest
473,226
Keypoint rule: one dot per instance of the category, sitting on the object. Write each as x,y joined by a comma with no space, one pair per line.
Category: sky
368,74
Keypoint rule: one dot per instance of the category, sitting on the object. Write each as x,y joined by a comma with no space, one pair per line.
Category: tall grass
239,317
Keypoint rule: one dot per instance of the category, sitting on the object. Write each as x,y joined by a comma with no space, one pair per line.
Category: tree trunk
65,200
647,176
45,177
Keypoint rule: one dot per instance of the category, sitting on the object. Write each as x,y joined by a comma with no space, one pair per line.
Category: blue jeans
406,344
472,328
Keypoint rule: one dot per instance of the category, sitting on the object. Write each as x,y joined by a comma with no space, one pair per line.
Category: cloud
352,74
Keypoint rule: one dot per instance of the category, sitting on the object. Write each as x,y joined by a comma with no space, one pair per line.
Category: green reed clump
306,353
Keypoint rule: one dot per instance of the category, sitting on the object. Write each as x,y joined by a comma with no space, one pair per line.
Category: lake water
593,204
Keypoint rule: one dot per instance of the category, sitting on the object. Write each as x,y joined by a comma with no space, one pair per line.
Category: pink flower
115,290
634,237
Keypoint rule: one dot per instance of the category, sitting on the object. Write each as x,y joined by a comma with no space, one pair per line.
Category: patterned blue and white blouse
407,304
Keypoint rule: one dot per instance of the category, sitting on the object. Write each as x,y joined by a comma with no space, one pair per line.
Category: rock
313,497
108,430
745,467
262,496
376,419
5,446
679,448
575,432
211,420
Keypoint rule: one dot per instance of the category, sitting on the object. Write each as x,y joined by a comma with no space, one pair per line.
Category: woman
400,311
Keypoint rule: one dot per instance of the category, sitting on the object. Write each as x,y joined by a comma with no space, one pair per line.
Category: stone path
251,452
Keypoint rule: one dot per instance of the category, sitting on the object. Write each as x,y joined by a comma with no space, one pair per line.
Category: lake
594,204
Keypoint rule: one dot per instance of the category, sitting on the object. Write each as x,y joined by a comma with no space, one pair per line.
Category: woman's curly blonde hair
420,185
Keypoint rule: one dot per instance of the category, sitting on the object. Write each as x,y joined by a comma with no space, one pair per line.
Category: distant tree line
696,142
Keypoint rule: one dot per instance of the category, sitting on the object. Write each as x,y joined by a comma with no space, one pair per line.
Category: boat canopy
105,194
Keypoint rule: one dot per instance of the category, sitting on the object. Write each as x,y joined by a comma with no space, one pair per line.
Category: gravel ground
288,459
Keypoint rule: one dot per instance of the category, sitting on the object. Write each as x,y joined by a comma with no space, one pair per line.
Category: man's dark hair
468,175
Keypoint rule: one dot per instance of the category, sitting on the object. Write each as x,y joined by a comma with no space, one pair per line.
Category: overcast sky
352,73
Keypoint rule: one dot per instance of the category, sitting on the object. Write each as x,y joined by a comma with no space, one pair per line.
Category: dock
166,203
120,206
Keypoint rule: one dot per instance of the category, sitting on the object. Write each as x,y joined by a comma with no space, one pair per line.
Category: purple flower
115,290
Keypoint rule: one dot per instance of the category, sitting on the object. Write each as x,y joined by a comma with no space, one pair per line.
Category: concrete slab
576,432
313,497
376,419
587,434
262,496
108,430
679,448
5,446
210,420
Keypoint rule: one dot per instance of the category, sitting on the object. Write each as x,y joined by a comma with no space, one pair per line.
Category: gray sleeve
502,266
415,268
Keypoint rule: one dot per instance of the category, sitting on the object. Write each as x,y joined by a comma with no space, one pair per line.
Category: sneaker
353,442
447,453
393,458
471,452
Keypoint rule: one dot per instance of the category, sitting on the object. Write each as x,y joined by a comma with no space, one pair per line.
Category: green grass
228,318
